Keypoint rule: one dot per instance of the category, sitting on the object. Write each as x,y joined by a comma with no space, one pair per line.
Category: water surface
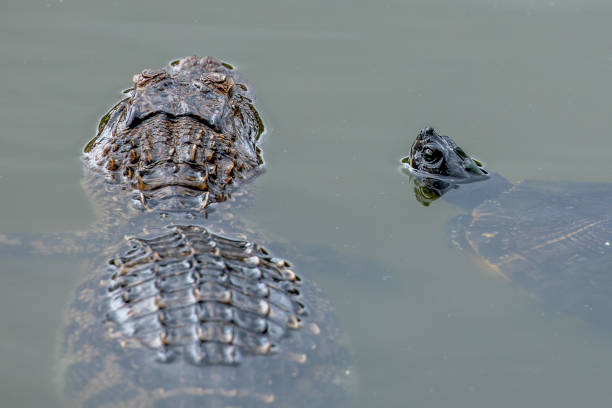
343,87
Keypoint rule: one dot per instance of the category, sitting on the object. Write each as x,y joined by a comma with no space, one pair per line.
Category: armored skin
554,239
182,139
181,304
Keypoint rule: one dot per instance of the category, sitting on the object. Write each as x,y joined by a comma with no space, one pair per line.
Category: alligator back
185,317
181,315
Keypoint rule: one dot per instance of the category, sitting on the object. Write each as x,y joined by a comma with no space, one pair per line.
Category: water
343,87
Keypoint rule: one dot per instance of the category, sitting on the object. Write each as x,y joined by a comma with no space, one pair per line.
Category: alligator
180,305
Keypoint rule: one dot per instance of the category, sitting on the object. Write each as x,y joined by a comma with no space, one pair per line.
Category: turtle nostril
428,131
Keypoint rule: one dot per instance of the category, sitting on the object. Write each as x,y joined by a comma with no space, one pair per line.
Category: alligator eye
430,155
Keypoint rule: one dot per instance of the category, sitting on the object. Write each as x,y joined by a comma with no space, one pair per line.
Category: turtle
181,304
551,238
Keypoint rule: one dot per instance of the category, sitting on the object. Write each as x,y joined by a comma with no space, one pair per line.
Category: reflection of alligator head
437,165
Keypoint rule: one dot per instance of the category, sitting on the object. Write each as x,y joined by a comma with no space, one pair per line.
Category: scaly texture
185,317
193,293
182,138
181,315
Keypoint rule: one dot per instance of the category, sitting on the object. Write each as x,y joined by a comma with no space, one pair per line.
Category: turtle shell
552,238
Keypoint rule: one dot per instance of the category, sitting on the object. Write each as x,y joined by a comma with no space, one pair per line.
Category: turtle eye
430,155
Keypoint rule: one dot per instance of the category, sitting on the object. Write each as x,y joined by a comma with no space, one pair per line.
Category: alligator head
181,139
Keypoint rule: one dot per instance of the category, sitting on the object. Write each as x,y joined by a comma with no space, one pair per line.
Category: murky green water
343,87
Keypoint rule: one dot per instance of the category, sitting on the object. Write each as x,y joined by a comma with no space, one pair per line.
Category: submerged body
185,317
180,306
552,238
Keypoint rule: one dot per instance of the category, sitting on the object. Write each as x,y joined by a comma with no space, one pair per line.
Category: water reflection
437,165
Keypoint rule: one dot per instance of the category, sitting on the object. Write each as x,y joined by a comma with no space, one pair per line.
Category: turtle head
436,165
440,157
